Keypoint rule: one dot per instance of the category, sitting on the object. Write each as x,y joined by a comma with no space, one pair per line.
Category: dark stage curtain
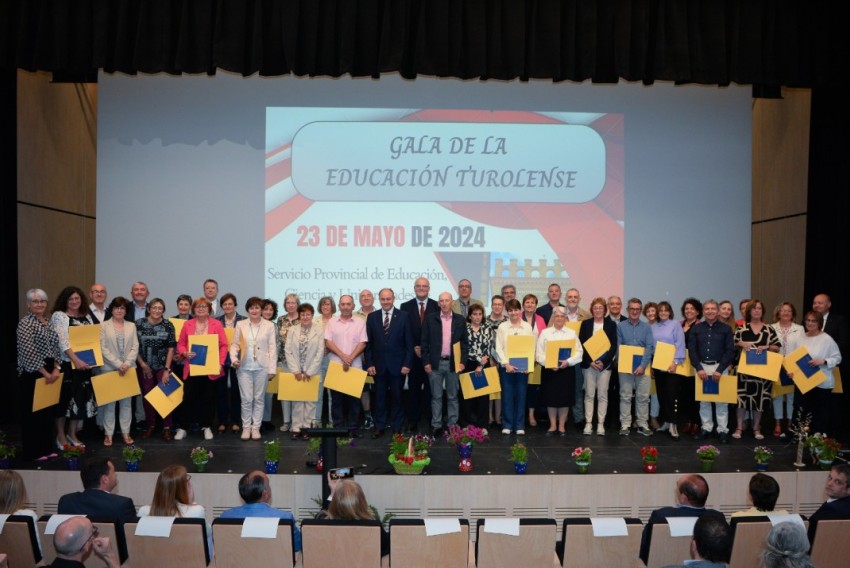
769,42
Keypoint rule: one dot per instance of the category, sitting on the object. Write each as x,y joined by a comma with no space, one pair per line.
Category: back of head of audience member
13,493
693,489
172,487
786,546
254,487
349,503
764,491
712,539
95,473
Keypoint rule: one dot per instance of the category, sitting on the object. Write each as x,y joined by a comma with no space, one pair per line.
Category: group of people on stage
419,347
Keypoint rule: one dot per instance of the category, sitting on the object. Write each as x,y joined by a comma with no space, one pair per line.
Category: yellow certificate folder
273,386
768,371
573,325
456,353
521,347
178,326
46,395
663,356
85,342
348,382
839,386
292,389
553,350
480,384
629,358
804,381
209,345
598,345
165,404
726,389
535,376
109,387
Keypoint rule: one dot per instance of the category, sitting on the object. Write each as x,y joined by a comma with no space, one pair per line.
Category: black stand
329,436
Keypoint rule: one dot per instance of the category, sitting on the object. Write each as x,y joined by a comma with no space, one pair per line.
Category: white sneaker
600,430
506,431
179,434
246,434
520,432
588,429
284,428
255,433
208,435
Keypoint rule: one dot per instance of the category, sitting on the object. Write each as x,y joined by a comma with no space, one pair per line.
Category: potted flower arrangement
815,444
7,452
272,455
828,453
582,458
464,439
799,428
649,455
707,454
72,455
762,455
409,455
132,456
200,456
519,453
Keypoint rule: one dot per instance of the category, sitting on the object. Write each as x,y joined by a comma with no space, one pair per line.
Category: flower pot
465,450
5,463
650,467
271,466
201,466
825,465
706,466
73,463
320,464
520,467
582,466
761,466
403,468
132,465
465,465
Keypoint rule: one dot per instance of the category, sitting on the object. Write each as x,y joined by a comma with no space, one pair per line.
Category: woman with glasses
156,352
790,334
305,347
826,356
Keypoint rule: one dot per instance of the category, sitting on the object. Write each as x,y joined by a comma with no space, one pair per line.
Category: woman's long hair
172,487
349,503
13,493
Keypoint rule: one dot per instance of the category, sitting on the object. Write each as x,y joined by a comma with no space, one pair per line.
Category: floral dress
753,392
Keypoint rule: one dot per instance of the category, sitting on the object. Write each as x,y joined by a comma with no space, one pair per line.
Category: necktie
386,323
421,312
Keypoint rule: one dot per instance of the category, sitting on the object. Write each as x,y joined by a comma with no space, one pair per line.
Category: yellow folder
839,386
165,405
109,387
86,338
273,385
598,345
46,395
535,376
554,347
303,391
456,353
573,325
728,390
769,371
178,326
491,374
349,382
212,365
626,356
521,346
777,389
804,383
663,356
496,395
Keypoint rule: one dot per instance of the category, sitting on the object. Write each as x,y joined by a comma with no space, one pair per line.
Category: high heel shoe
59,445
127,439
76,442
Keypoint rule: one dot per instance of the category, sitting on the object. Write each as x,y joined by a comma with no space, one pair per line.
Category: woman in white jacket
254,354
305,347
120,346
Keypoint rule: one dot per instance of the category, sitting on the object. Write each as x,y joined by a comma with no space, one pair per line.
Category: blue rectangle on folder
636,361
784,379
805,365
710,386
87,356
200,357
169,387
564,353
756,357
479,381
520,364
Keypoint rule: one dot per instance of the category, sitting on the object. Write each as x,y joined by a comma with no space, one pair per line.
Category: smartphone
341,473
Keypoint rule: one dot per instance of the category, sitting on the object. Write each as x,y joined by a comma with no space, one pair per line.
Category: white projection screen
327,186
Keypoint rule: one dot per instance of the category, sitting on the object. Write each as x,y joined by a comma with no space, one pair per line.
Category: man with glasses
98,310
76,539
464,298
637,333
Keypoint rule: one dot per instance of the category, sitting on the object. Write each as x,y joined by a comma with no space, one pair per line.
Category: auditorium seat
581,549
533,548
326,542
186,547
105,527
748,536
18,541
410,547
666,549
232,550
831,546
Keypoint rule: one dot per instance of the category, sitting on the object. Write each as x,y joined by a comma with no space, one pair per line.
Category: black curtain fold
773,42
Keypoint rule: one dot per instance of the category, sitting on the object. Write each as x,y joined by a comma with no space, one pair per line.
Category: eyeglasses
89,539
811,321
98,291
38,301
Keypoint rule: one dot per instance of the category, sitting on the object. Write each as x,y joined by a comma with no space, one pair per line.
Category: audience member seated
763,493
255,491
691,495
75,540
786,546
13,496
97,500
348,503
837,505
711,545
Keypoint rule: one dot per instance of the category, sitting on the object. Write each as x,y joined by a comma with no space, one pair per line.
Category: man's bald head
72,535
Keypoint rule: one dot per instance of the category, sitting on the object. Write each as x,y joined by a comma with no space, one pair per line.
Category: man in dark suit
419,391
615,314
837,505
440,332
691,495
836,327
96,499
388,357
711,546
